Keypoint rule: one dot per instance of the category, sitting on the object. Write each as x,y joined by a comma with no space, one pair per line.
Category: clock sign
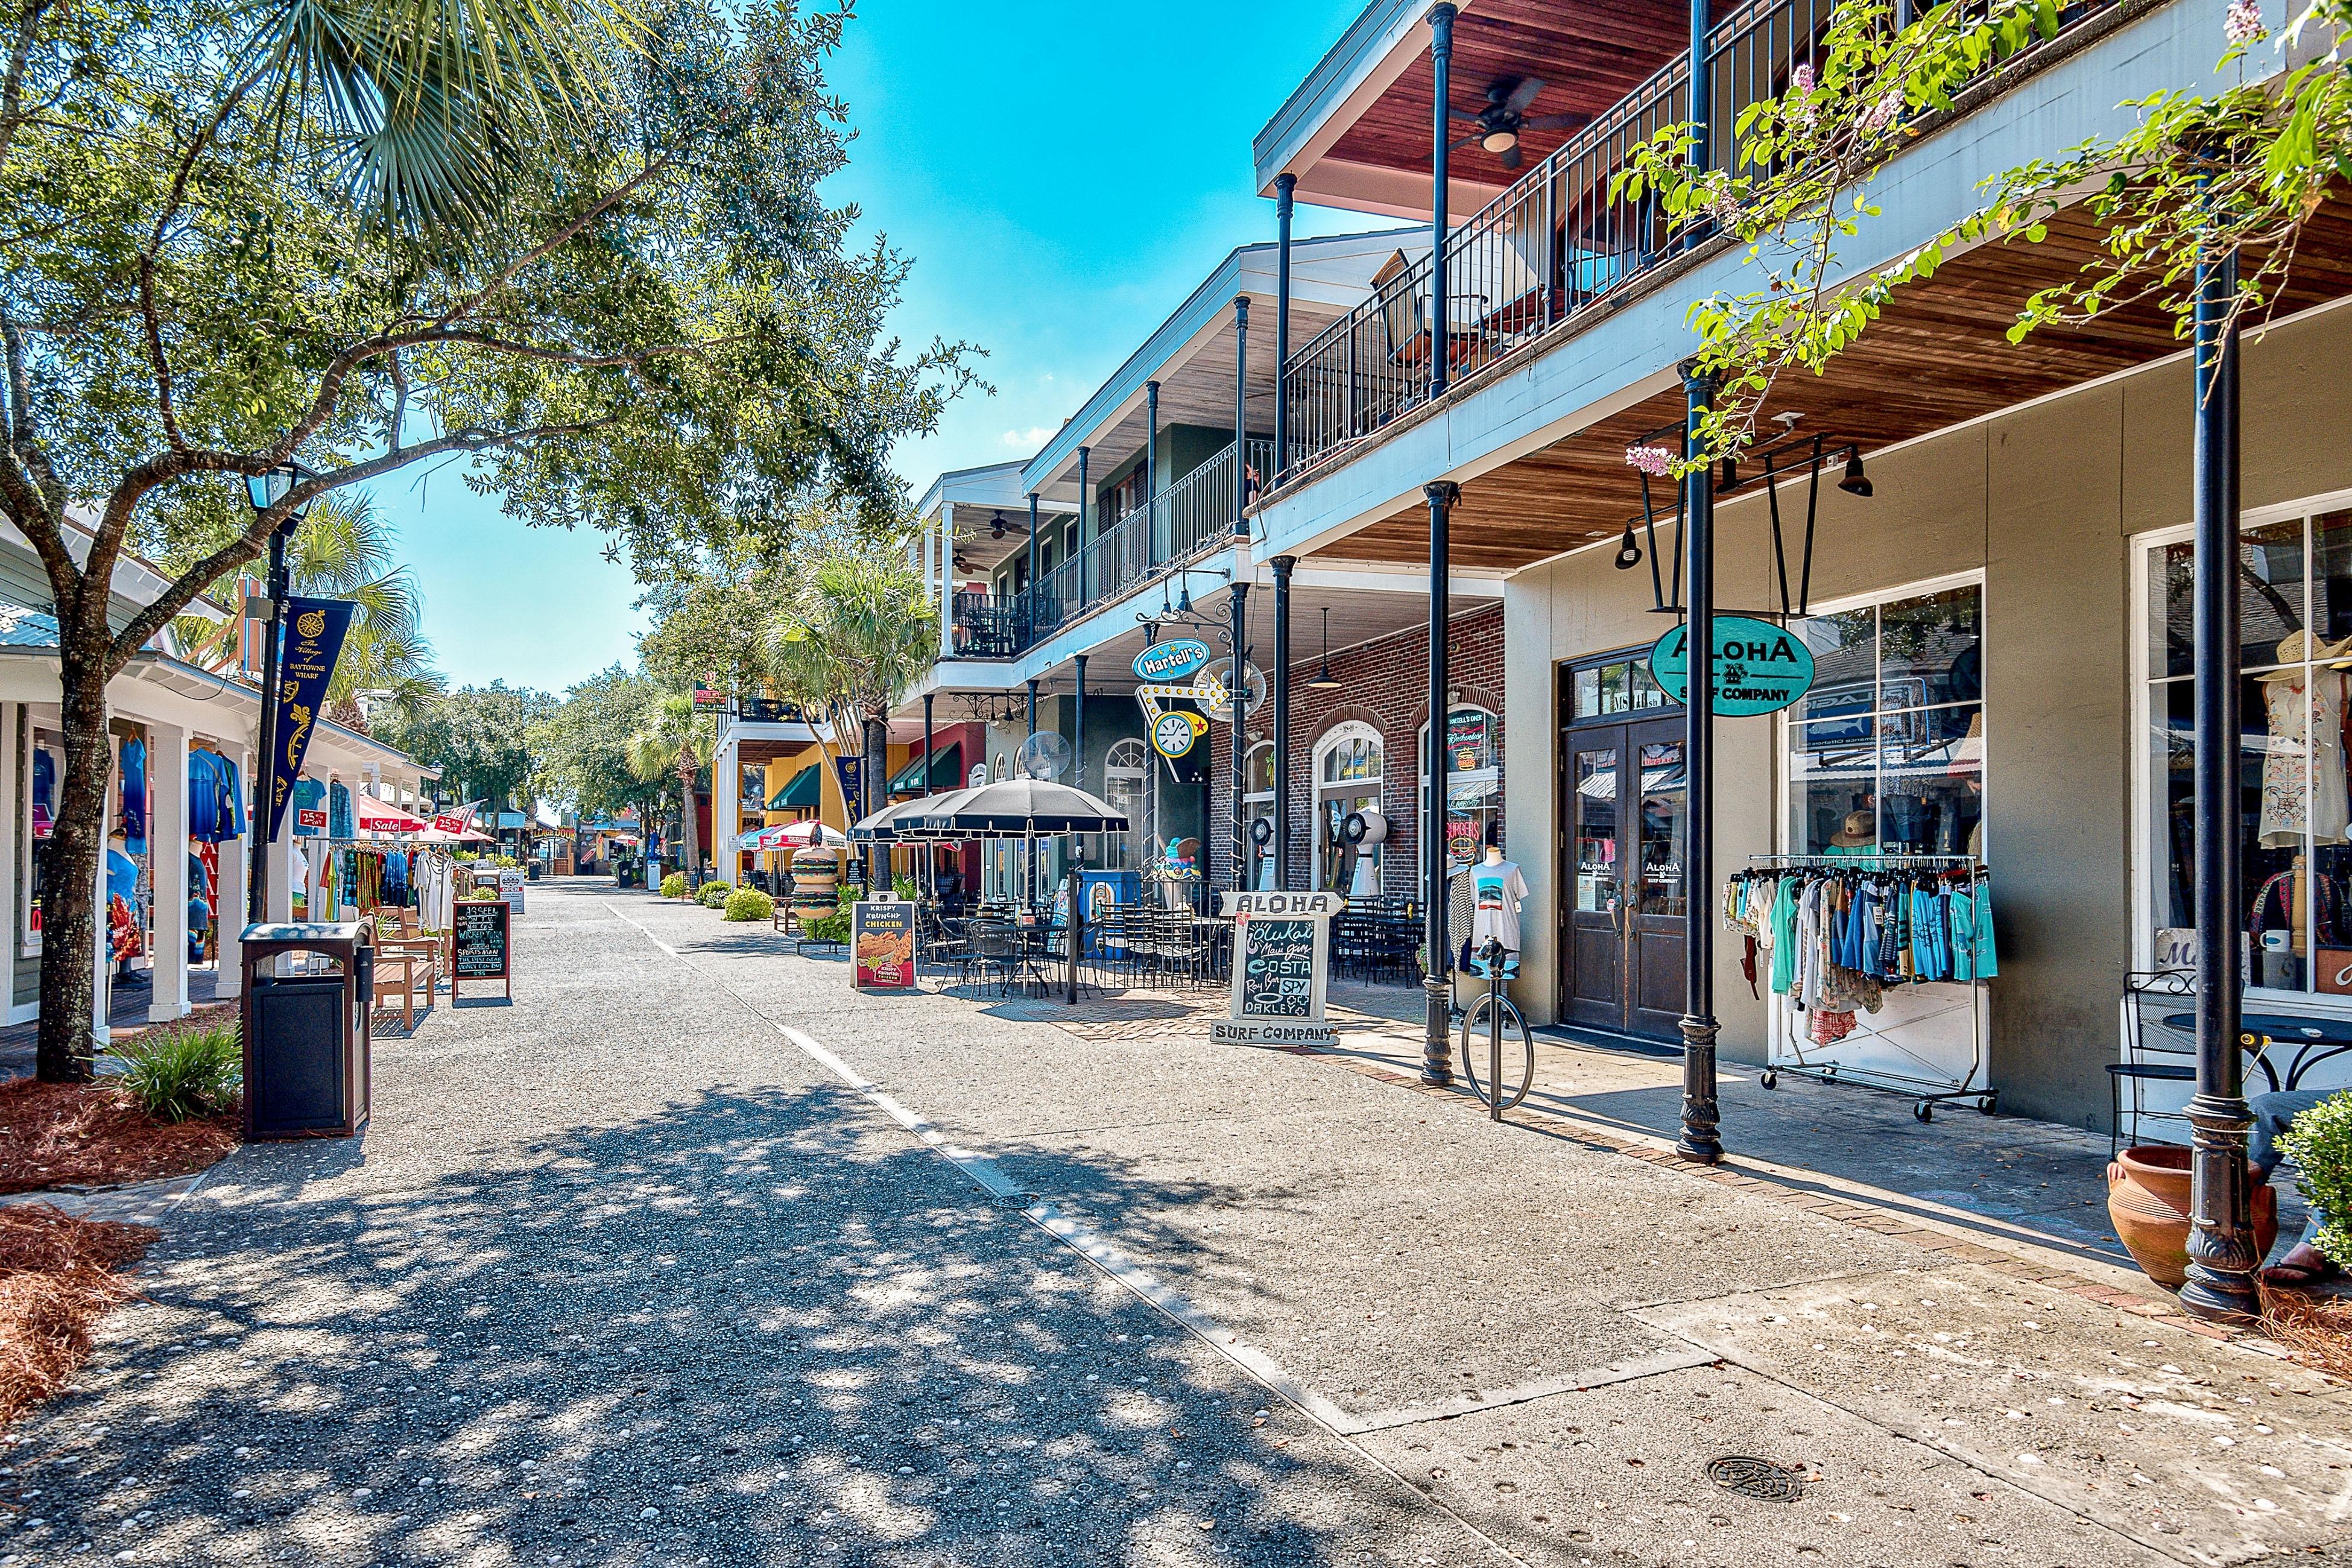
1173,734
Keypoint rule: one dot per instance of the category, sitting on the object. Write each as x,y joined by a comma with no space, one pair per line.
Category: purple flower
2244,23
1655,462
1885,112
1800,88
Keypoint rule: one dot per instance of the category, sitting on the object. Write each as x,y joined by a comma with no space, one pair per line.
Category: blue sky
1061,174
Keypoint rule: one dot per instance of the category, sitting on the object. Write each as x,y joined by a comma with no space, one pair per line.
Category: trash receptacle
307,988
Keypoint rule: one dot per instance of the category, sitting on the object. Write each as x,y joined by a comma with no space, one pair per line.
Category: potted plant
2148,1203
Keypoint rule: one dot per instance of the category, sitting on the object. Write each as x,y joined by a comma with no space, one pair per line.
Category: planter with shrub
712,895
833,928
750,904
674,885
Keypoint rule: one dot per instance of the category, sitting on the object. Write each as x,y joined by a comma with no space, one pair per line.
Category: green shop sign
1759,668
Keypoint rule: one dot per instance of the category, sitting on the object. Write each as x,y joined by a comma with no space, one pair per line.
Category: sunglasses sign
1759,668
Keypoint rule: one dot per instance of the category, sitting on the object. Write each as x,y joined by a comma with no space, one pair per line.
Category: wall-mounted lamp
1855,482
1324,679
1629,554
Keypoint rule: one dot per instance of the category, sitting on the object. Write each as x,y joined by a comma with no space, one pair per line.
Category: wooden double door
1625,807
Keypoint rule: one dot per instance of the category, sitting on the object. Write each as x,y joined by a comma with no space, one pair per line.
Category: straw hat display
1861,828
2296,647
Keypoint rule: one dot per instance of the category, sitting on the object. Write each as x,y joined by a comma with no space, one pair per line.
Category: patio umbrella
881,826
1012,808
373,816
794,836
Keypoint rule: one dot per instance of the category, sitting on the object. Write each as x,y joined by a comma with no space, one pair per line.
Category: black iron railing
1191,517
1556,242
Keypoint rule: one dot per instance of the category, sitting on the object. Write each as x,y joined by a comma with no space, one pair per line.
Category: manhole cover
1754,1478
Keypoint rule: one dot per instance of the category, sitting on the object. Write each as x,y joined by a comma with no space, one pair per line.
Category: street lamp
265,491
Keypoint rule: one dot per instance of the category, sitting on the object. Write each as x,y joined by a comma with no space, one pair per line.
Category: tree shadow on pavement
758,1327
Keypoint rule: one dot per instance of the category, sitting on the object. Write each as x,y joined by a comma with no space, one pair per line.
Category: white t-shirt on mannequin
1496,890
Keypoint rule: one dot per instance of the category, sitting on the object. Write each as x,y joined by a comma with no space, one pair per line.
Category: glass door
1592,967
1657,922
1624,839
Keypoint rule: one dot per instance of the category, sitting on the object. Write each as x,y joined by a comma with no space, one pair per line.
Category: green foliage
505,862
344,549
581,749
854,627
479,737
834,927
750,904
177,1074
2242,167
905,887
2320,1145
712,894
483,893
674,885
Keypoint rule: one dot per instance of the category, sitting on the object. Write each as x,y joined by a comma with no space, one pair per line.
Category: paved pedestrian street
692,1256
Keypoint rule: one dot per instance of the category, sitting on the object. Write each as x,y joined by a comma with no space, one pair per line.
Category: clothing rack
1933,1084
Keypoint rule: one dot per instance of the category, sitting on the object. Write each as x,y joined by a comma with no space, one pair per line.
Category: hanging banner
314,638
853,783
1759,668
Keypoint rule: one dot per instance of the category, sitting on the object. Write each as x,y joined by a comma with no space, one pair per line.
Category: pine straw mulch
2315,1329
59,1275
92,1135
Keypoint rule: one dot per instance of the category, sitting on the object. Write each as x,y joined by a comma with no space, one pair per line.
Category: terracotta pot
2148,1202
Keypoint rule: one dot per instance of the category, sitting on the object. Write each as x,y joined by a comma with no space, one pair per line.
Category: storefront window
1626,687
1887,751
1473,782
1257,805
1126,785
1347,780
2295,602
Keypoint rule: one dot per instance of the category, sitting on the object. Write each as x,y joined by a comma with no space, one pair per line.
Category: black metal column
1700,1117
2221,1258
1241,415
1028,597
1437,1033
1441,65
1029,845
1235,695
1701,92
1152,473
1280,697
1078,732
256,893
1286,191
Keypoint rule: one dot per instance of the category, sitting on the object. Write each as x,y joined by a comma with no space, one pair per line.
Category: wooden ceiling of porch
1588,56
1940,357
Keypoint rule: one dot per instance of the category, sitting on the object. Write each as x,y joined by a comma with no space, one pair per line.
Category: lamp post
266,491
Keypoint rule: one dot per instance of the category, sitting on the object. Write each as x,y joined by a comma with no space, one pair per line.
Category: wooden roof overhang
1939,357
1368,149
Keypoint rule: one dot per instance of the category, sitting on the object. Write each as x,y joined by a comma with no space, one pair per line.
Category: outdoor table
2316,1039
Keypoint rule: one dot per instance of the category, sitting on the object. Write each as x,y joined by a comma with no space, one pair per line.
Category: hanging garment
310,795
130,763
2305,756
1784,935
45,791
339,822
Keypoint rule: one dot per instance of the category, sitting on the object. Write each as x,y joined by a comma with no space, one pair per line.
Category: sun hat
1861,827
2298,645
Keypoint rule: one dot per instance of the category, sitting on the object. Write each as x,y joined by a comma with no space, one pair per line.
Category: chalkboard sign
480,941
1278,969
1283,943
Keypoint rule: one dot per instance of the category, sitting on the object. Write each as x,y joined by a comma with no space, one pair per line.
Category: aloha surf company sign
1759,668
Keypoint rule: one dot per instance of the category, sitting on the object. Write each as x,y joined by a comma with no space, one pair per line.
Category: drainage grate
1754,1478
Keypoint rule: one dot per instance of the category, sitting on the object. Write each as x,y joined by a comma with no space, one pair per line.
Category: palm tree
675,740
345,550
855,631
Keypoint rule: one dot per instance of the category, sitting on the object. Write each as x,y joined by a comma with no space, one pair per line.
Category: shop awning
800,792
946,772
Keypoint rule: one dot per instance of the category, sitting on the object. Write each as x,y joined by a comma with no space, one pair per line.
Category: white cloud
1028,440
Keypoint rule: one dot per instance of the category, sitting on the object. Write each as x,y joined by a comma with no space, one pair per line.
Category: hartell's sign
1759,668
1171,660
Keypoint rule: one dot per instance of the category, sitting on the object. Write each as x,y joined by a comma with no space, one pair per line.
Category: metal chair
2144,1063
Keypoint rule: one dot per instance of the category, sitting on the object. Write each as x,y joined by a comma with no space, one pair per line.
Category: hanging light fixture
1184,594
1324,679
996,526
1856,482
1629,552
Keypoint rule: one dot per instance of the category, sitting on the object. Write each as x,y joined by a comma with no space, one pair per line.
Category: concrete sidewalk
693,1254
1555,1337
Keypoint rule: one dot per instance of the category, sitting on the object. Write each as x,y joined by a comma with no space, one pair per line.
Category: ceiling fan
1504,116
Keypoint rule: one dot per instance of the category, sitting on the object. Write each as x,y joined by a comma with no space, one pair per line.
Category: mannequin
1498,890
2308,745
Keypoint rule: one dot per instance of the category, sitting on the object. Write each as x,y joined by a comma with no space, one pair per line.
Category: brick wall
1385,684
